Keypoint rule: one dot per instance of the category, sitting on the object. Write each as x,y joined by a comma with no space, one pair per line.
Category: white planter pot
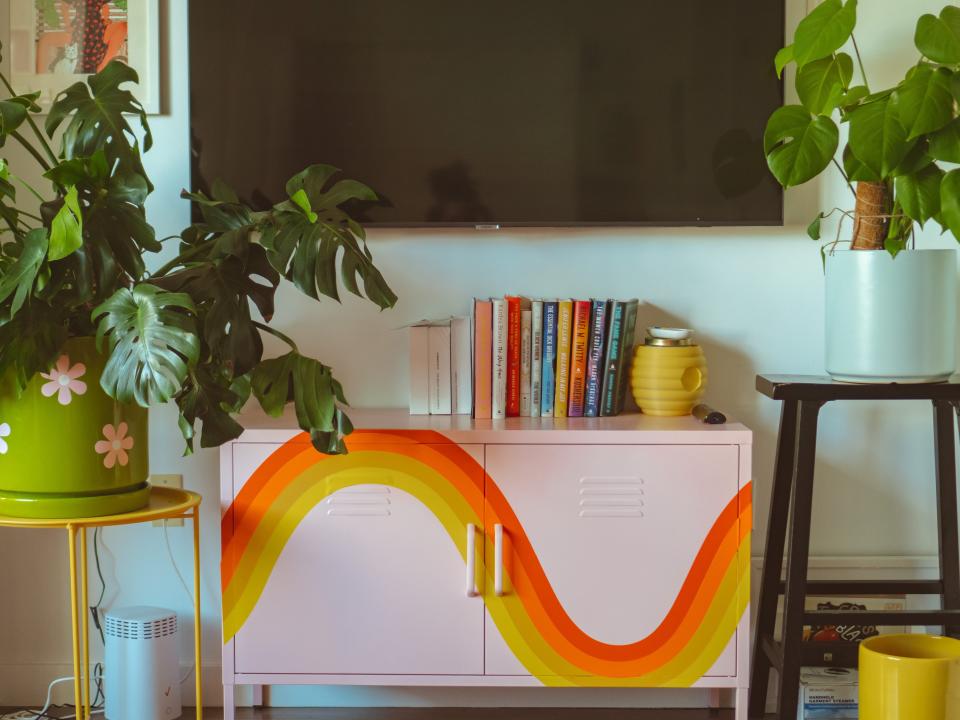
891,319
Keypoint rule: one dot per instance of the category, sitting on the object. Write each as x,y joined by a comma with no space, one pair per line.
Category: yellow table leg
85,625
72,542
198,673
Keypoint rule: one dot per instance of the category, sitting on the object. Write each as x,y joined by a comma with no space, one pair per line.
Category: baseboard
25,683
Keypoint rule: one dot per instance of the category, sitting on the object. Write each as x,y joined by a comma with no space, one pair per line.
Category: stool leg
949,542
773,556
797,559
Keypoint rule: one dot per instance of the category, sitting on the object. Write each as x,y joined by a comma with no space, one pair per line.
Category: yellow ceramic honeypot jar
669,372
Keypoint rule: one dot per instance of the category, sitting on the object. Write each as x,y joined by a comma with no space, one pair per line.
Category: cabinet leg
229,702
713,698
773,555
256,695
949,542
797,560
741,704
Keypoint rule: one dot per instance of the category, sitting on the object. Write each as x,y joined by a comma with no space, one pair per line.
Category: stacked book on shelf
551,358
440,367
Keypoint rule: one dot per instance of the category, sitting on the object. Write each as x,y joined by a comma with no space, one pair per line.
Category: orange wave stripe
282,467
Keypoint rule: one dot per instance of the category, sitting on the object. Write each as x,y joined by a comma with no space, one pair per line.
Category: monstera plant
187,331
902,139
890,316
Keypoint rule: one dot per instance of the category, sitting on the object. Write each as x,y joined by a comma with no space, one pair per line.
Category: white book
499,390
525,341
461,357
440,387
419,369
536,355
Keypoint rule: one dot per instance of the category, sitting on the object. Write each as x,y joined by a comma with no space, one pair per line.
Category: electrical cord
183,584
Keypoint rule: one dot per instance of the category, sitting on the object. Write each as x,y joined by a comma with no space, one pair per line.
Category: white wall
753,295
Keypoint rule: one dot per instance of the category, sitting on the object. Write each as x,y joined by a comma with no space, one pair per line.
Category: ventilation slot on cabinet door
611,497
365,501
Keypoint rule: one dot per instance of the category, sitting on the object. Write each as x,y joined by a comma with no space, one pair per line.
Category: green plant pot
67,449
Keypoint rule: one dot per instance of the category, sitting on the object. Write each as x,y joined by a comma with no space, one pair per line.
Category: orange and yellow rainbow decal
531,619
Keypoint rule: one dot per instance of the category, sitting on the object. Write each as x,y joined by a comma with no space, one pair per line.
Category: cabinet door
616,530
369,582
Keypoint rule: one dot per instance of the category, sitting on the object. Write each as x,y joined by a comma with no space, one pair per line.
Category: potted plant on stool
891,308
89,337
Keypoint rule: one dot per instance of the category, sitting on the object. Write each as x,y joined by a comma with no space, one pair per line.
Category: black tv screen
512,112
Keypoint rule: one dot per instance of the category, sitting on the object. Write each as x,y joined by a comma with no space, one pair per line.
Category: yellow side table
165,504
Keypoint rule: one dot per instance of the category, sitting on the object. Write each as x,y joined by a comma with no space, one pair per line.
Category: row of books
551,358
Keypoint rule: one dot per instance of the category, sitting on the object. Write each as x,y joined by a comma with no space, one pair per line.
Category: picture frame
52,44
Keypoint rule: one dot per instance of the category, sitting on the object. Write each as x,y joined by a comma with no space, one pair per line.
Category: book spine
482,358
536,356
608,388
564,337
499,372
440,387
513,356
626,353
460,365
526,340
548,372
419,370
579,345
595,356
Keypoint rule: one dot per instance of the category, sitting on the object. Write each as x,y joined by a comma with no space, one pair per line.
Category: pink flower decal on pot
114,448
4,433
64,380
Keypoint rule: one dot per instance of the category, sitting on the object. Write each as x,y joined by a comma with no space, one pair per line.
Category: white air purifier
141,664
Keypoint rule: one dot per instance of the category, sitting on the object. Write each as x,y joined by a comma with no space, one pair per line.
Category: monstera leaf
938,38
878,137
824,31
314,392
153,343
210,398
17,281
95,116
798,145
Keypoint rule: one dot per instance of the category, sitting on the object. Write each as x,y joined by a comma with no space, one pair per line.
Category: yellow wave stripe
679,662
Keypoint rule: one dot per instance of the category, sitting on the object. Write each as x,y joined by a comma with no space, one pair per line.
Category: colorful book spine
536,356
548,371
595,356
564,337
618,357
513,356
526,341
482,358
579,347
626,353
611,359
499,372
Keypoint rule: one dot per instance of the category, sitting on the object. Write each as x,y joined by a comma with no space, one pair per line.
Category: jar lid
668,337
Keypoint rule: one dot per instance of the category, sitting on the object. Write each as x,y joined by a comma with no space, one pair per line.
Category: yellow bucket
909,677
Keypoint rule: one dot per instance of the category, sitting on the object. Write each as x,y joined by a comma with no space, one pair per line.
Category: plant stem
30,121
31,149
846,179
276,333
181,258
863,72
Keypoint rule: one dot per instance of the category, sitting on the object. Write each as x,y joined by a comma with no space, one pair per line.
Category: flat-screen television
509,112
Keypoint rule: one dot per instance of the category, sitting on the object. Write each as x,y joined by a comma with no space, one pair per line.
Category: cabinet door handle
498,560
472,560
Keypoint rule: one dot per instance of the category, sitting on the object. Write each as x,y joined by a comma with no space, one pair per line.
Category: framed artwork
54,43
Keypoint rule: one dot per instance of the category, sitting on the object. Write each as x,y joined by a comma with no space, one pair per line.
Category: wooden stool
791,500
